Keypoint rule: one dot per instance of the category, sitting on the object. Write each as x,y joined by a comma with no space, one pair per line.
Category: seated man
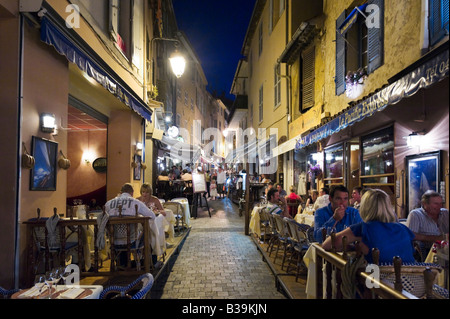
324,198
275,206
430,222
126,200
337,215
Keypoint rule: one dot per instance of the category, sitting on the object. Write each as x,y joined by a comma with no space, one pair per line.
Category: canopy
51,35
352,18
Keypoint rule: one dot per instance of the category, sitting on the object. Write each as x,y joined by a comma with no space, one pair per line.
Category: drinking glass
39,281
50,280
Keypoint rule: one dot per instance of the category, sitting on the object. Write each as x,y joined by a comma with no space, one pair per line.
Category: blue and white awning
352,18
51,35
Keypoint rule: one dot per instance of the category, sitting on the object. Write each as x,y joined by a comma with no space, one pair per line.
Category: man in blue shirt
337,215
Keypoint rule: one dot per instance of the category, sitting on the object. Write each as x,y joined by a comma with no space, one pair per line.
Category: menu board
199,183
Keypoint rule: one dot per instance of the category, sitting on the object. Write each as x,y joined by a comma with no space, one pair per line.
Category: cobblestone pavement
218,261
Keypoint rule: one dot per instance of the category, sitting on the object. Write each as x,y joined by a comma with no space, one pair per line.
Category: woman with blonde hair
380,229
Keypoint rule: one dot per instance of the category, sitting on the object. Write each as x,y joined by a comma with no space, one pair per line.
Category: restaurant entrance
87,150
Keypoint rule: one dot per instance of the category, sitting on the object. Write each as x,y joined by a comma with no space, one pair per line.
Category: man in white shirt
324,198
221,179
128,203
429,223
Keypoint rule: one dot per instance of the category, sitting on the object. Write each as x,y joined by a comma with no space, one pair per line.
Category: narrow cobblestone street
218,261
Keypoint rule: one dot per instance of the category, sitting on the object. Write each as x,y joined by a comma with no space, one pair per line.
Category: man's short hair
428,194
338,188
270,193
358,189
127,188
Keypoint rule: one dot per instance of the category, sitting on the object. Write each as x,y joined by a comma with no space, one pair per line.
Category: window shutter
137,39
438,23
114,7
340,57
375,41
308,75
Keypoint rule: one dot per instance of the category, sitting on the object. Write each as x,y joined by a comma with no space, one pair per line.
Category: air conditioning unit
30,5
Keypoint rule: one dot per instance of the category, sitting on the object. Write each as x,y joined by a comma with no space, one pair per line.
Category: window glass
334,162
378,153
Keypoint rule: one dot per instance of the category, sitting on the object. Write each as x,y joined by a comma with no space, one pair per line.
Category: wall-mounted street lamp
177,61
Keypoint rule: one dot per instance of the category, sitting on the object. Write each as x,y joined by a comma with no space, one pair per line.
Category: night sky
216,30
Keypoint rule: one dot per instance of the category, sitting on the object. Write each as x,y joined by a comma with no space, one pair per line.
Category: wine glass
50,279
39,282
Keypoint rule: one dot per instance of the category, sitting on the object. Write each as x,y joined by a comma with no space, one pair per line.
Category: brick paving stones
218,261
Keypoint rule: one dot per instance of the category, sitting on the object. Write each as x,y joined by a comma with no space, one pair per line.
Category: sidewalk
217,261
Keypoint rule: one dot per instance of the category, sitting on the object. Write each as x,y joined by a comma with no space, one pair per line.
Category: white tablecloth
305,219
255,227
186,210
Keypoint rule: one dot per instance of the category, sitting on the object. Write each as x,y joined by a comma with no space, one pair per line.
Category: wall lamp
177,61
48,122
139,146
415,139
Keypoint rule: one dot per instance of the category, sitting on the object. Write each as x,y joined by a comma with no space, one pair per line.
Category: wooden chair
52,253
138,289
163,190
292,205
178,213
299,243
126,240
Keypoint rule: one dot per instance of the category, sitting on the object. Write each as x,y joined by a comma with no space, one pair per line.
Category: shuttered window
261,104
277,86
369,44
340,57
308,78
375,41
438,22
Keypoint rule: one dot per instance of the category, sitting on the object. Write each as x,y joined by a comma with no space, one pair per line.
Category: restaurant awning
424,76
52,35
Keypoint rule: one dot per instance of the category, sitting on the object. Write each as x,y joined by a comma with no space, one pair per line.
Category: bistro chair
416,278
48,242
163,190
127,240
264,221
178,213
138,289
299,243
292,205
282,237
6,294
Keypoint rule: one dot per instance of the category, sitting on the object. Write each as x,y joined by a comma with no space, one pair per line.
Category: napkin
33,292
71,293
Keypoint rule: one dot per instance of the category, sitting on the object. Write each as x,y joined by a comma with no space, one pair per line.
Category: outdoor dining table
254,225
61,292
305,219
186,210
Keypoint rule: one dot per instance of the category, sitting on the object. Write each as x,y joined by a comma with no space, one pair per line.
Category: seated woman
380,229
293,197
163,177
312,198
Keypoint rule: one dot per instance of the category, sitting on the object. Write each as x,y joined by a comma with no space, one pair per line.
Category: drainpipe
19,138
